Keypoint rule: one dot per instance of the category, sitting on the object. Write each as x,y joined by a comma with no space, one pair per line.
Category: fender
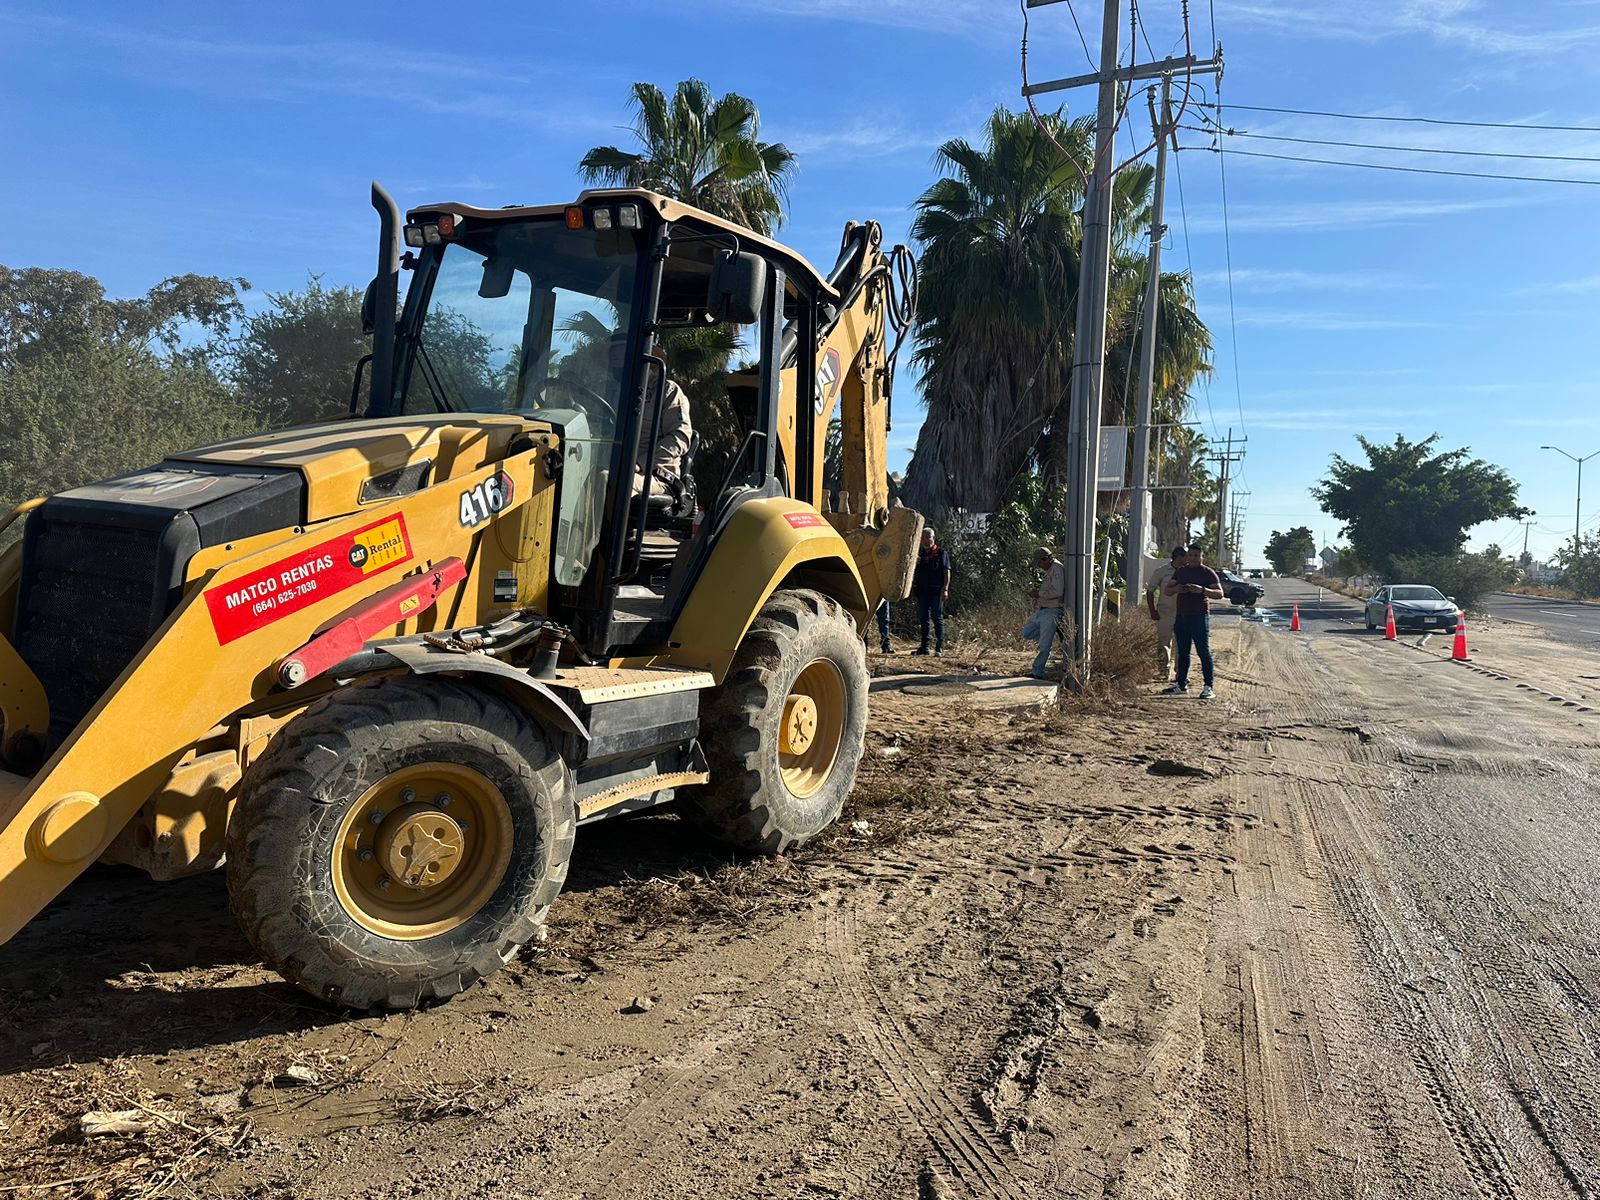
766,544
420,659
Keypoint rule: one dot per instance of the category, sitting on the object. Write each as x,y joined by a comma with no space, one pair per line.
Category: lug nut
442,799
376,817
408,795
384,881
365,855
463,826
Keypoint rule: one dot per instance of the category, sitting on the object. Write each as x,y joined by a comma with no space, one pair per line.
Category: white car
1416,606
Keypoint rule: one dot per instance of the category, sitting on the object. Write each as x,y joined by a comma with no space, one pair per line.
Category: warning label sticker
803,520
256,600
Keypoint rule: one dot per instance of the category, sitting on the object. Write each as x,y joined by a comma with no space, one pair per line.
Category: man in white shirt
1048,597
1163,608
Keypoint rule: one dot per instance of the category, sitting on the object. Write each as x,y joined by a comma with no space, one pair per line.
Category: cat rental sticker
299,580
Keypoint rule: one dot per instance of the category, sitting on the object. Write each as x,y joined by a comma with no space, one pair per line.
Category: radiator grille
90,602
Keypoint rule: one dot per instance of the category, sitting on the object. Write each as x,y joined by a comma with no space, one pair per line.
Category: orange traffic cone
1459,650
1388,625
1294,618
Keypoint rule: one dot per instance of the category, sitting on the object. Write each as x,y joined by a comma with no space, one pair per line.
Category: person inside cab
665,460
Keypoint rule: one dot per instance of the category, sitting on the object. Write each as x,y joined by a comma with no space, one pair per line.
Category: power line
1341,162
1272,137
1313,112
1082,41
1227,246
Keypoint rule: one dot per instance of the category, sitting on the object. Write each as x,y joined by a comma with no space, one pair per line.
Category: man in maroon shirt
1195,585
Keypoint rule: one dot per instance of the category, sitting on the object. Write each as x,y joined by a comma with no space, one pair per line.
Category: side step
643,723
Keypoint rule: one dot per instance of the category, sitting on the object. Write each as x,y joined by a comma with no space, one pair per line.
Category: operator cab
592,317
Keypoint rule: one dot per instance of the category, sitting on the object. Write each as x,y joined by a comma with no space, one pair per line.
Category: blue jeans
1044,625
931,608
883,626
1193,629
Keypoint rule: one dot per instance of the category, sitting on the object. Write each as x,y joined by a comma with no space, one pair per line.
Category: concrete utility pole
1225,461
1089,339
1139,506
1089,352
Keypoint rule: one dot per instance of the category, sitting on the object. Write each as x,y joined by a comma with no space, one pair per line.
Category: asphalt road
1571,622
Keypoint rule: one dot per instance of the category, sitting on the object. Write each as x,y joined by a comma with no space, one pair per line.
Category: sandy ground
1331,935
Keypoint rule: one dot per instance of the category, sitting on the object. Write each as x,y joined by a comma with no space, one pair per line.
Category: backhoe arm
857,346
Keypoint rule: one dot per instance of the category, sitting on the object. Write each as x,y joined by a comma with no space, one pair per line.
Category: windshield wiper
430,376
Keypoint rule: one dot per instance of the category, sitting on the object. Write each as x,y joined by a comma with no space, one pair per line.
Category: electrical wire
1082,41
1034,111
1272,137
1340,162
1313,112
1227,246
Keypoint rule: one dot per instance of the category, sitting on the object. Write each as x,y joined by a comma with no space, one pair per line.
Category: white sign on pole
1113,476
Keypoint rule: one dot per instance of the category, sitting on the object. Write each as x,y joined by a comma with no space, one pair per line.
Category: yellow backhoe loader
384,667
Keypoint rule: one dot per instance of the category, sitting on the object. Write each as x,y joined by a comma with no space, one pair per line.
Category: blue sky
146,140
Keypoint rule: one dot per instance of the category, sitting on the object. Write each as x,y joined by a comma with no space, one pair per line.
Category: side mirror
369,309
496,280
738,286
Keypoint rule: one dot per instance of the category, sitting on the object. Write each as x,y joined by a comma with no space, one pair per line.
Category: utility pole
1225,461
1526,527
1139,505
1089,338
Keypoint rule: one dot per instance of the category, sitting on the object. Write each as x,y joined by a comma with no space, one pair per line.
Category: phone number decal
285,587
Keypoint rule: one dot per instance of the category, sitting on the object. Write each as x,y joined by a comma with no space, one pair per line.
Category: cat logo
828,375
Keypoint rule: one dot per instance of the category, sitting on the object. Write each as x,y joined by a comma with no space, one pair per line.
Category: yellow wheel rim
813,727
422,851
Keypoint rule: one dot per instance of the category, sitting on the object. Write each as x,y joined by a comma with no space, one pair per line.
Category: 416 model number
491,496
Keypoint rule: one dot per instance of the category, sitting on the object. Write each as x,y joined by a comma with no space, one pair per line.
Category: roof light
447,225
628,216
575,218
430,234
602,218
414,235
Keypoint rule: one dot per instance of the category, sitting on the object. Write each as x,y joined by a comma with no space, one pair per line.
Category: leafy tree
1000,235
91,387
1467,578
296,361
1287,552
1408,501
1581,568
702,150
706,152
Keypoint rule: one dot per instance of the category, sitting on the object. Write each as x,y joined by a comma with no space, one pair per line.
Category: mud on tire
292,828
752,800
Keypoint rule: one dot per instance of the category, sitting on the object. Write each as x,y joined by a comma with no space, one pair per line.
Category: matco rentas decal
298,581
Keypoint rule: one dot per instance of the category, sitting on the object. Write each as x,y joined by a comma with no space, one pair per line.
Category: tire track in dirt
1471,1109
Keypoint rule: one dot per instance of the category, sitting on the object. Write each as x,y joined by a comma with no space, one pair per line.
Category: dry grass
172,1154
1334,585
1548,593
730,894
423,1100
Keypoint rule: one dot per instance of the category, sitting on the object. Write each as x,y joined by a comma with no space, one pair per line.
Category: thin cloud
1448,22
1342,214
1266,279
1330,322
964,18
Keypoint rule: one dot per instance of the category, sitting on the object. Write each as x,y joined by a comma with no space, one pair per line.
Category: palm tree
701,150
1000,236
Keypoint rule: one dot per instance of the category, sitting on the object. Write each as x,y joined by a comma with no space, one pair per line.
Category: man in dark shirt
931,587
1195,585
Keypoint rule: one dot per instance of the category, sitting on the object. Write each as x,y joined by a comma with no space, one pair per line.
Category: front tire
399,841
785,731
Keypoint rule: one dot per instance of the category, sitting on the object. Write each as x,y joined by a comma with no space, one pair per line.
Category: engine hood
348,463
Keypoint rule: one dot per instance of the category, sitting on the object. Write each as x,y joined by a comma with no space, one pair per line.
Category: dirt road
1332,935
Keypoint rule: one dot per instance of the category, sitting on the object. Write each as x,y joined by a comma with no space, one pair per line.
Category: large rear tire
784,733
399,841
